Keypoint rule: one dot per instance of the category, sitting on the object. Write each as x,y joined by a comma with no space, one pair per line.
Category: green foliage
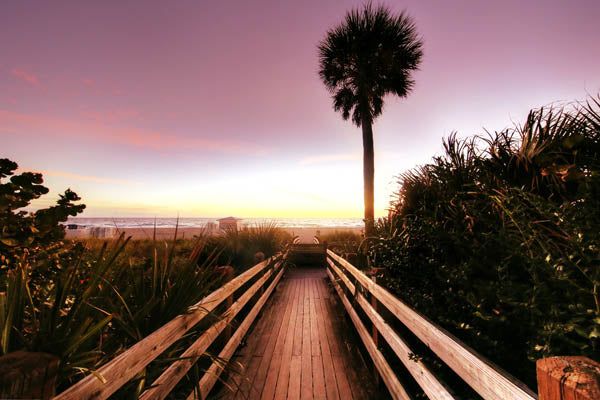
497,240
30,235
371,54
88,301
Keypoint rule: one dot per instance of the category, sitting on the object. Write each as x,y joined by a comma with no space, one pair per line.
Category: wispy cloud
84,177
119,114
329,158
27,124
26,76
301,194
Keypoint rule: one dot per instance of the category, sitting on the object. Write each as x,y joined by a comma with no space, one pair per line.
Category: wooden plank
319,391
314,333
283,377
212,374
389,378
293,392
487,379
236,380
266,317
126,365
425,378
278,323
297,350
306,385
276,361
163,385
329,373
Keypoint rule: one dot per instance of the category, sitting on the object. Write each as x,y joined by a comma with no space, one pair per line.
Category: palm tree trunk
368,175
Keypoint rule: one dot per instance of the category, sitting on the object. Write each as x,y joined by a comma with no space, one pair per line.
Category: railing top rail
487,379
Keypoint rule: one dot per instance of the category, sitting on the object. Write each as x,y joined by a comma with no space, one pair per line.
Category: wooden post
25,375
228,273
568,378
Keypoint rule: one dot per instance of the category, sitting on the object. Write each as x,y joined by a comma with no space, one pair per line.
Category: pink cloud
117,92
27,124
26,76
88,82
111,115
84,177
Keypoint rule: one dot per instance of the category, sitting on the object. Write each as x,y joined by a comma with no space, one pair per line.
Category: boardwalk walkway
301,347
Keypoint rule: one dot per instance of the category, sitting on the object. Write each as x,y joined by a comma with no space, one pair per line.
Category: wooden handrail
125,366
491,382
425,378
212,374
163,385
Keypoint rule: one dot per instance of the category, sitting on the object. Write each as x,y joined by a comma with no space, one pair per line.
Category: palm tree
370,54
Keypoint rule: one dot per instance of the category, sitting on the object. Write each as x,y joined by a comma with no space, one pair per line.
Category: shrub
497,240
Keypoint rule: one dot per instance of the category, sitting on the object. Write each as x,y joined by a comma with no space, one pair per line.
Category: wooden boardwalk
301,348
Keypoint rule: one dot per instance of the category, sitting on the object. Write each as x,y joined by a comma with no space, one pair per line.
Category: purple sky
210,108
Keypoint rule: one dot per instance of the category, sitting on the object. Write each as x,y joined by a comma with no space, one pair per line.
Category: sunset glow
208,109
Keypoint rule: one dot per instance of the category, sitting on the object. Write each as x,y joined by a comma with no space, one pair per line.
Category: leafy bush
497,240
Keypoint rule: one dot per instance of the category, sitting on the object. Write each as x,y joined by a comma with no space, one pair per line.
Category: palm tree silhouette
370,54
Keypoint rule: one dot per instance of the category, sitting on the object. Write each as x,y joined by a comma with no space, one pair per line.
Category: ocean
202,222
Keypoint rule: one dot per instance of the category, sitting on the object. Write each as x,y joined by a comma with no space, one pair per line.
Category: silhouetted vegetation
371,54
497,240
87,301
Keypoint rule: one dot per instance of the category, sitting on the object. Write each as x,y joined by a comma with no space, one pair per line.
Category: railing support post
568,378
228,273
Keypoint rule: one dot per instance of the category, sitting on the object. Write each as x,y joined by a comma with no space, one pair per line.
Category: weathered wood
306,384
261,374
391,381
212,374
425,378
487,379
27,375
328,370
163,385
568,378
228,273
125,366
283,377
276,361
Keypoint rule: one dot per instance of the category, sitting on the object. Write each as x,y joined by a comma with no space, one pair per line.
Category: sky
210,109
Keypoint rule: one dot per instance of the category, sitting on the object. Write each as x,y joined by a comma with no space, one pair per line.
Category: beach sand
305,235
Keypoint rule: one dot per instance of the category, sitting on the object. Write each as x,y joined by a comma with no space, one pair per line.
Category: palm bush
497,239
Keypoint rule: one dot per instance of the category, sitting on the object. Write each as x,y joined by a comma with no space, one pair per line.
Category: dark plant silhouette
371,54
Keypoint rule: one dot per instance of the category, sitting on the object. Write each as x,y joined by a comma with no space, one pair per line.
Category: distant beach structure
229,223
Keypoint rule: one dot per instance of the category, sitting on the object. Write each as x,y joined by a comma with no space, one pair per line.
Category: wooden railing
481,375
113,375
